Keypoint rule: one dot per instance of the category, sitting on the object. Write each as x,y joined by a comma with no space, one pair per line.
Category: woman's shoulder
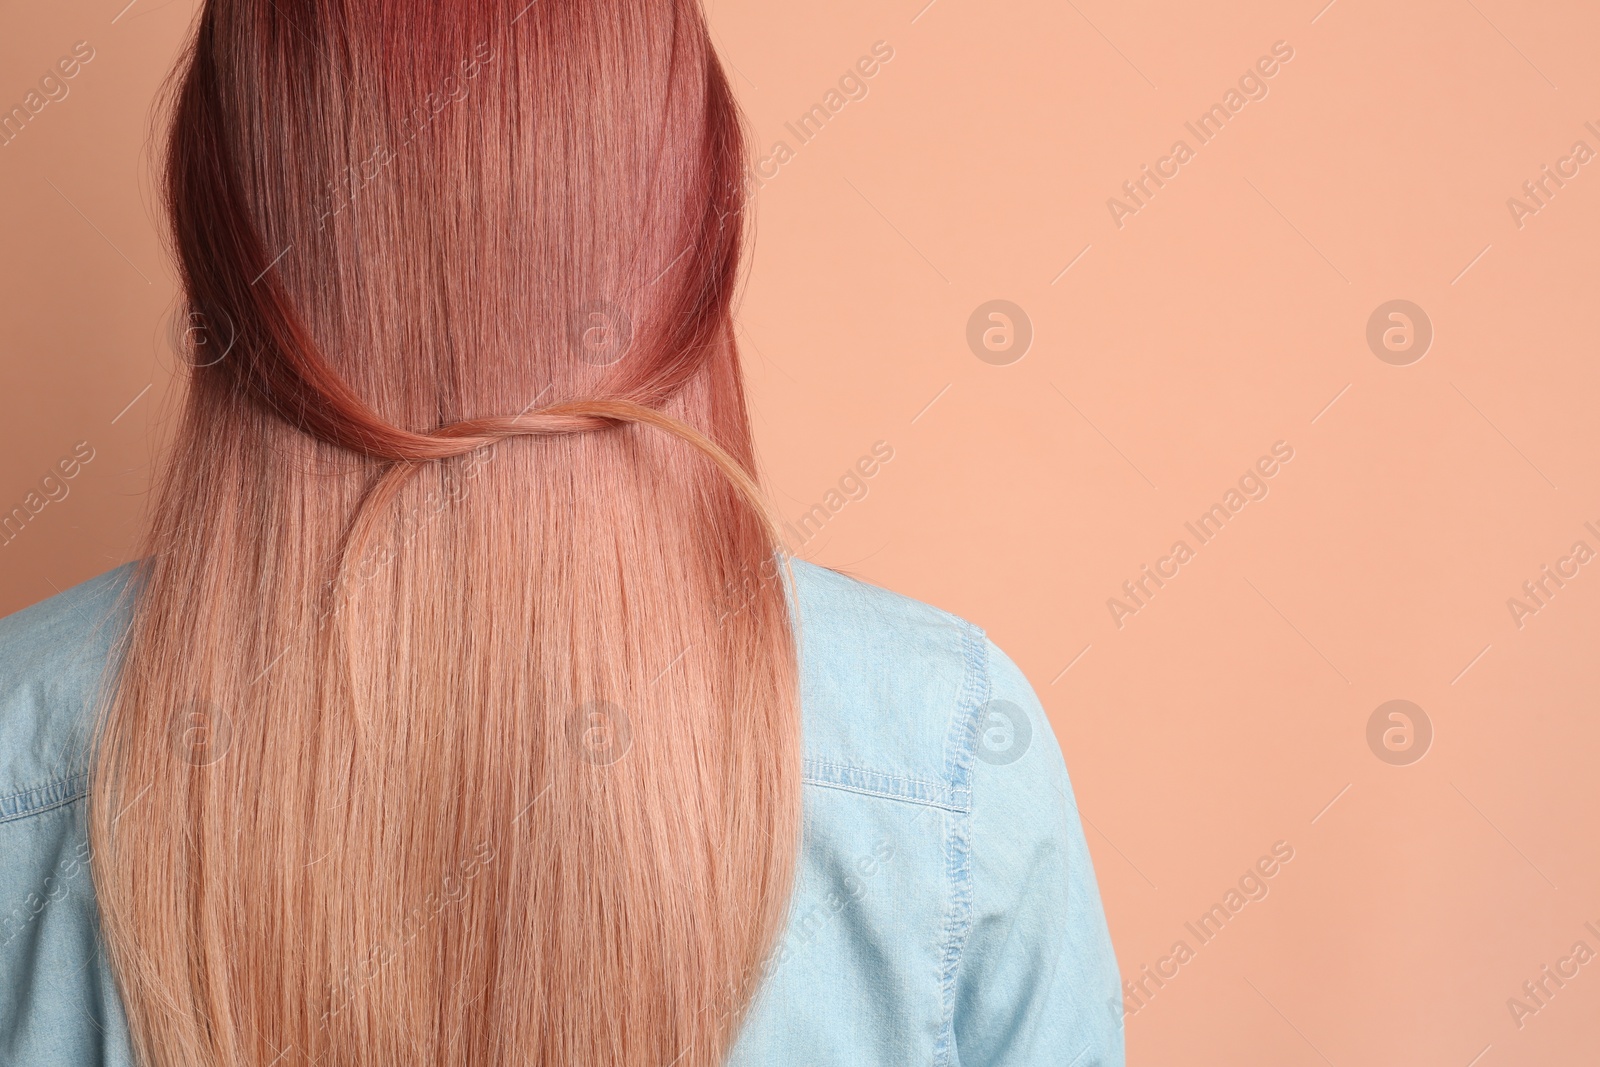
63,1006
943,879
53,656
905,701
890,690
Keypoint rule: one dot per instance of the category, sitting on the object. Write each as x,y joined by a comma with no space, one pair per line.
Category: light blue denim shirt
945,910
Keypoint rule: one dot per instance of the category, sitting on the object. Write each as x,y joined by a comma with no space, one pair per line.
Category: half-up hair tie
566,417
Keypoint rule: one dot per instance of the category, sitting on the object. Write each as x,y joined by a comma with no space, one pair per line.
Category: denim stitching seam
877,783
960,750
51,794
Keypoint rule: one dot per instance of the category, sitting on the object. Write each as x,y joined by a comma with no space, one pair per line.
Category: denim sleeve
1038,981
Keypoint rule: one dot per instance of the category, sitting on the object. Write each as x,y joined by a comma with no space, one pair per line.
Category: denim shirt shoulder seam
960,752
53,793
829,774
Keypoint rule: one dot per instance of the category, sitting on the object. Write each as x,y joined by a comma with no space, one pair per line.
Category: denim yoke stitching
41,798
960,751
827,774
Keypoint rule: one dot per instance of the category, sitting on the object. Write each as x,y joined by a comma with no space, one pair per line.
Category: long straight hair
458,721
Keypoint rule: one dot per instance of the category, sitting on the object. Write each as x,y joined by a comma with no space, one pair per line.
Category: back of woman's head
457,722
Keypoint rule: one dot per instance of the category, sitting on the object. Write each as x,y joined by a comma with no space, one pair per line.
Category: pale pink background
1224,316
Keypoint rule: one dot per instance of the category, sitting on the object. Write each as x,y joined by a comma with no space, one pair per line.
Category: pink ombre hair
458,718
